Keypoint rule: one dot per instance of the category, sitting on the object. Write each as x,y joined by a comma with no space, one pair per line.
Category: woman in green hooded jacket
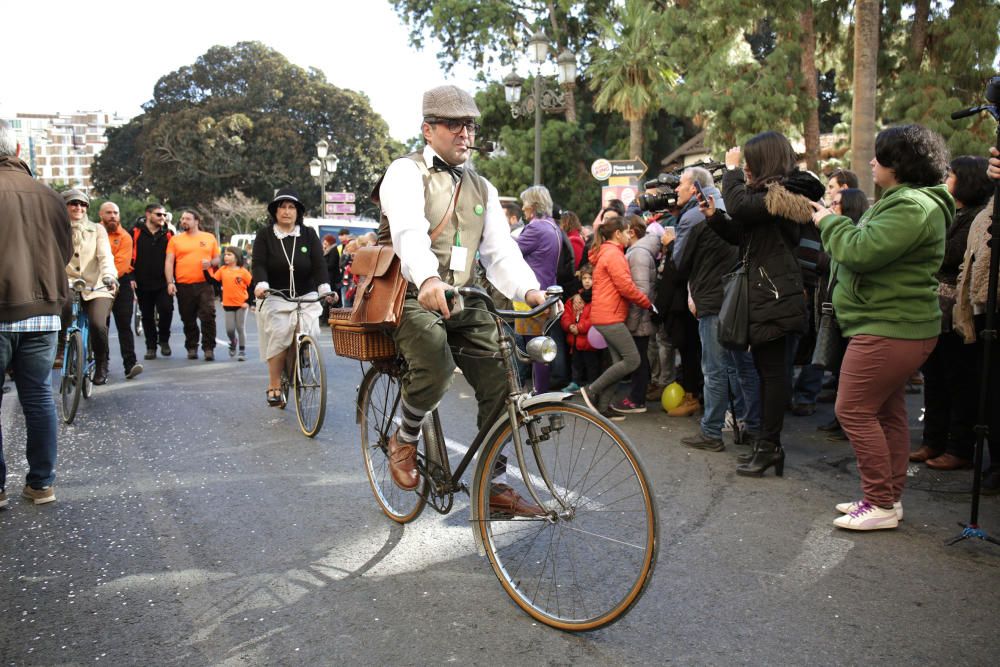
886,302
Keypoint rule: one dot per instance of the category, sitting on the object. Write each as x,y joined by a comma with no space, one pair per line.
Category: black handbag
734,315
829,341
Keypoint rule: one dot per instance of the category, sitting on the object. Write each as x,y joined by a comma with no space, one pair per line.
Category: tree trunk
635,137
866,19
570,98
918,38
811,93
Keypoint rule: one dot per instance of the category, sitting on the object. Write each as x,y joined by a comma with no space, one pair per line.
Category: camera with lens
666,194
666,186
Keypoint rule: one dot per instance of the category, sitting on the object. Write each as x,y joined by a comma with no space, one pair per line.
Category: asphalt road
196,526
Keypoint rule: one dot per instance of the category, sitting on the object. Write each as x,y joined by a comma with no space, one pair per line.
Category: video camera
666,186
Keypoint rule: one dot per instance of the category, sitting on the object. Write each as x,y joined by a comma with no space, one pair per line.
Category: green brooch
304,250
478,209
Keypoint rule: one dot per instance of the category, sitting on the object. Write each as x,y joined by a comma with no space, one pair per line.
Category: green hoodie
885,265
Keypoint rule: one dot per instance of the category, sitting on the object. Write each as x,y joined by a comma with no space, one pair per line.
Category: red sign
333,197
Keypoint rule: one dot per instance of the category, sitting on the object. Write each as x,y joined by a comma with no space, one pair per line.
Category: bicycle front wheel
310,387
379,410
588,559
72,376
88,374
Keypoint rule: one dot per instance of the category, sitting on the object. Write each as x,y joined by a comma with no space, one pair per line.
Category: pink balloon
595,338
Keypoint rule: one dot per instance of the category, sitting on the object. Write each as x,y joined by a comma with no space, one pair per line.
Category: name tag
459,258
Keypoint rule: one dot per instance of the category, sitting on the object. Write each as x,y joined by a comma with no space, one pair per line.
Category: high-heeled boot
765,455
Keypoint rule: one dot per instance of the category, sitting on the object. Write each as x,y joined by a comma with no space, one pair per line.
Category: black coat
270,264
765,224
706,258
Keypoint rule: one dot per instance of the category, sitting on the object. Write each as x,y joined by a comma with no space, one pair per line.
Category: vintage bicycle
304,375
77,376
587,559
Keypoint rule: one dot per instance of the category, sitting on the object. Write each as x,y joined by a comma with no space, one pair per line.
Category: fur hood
790,197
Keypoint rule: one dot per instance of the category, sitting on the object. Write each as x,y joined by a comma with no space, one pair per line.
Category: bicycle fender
526,402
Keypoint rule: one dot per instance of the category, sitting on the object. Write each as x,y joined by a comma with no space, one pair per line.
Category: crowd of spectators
904,274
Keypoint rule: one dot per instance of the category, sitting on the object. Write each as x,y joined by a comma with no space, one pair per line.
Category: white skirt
276,324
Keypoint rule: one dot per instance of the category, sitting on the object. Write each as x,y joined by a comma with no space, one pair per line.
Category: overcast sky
107,54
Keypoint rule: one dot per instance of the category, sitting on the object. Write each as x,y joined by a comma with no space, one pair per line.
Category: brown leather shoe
925,452
403,464
948,462
506,500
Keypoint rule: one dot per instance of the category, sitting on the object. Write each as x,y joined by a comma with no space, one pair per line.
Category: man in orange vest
188,255
121,248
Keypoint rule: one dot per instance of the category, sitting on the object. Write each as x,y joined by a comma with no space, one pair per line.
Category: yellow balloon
673,395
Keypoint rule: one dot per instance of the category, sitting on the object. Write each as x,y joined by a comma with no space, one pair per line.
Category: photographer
702,259
885,301
768,201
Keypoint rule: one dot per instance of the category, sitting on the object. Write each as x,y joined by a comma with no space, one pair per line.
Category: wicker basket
355,342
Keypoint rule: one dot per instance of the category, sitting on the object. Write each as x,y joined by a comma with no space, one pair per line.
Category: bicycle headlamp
541,349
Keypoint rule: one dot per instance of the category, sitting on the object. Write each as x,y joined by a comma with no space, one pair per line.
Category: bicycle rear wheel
378,408
72,376
590,557
310,387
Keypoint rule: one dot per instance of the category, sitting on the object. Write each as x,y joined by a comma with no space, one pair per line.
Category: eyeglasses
160,215
78,203
455,126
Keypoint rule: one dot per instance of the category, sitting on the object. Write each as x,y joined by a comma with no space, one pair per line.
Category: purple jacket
540,242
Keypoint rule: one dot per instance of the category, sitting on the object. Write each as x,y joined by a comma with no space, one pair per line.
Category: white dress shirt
402,199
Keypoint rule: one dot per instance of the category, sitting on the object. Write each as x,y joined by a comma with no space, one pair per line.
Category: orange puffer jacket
613,286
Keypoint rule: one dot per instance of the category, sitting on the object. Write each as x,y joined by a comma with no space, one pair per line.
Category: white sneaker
868,517
847,508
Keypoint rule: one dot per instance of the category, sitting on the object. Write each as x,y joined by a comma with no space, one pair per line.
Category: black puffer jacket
767,221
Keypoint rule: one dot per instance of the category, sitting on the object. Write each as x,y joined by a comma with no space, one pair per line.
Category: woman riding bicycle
93,263
288,257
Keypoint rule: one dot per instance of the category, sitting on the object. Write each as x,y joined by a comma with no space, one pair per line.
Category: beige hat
449,102
75,195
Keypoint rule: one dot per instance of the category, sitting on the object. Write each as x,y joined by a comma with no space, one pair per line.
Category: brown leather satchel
378,302
380,294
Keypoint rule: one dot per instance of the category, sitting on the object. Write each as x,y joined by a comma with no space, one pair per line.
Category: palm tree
866,19
631,71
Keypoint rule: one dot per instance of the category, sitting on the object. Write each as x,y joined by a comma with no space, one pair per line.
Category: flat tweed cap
75,195
449,102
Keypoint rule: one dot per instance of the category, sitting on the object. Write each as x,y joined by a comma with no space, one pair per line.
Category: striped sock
409,430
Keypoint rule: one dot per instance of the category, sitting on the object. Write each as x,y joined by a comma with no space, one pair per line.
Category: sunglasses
79,203
455,126
160,215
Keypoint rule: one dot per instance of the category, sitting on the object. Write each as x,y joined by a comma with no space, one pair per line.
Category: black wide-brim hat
286,194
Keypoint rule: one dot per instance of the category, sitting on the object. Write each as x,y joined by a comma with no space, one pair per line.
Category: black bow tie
441,165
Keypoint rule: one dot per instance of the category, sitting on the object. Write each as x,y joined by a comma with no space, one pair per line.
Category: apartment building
60,148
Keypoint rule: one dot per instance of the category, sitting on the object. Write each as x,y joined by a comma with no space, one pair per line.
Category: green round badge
478,209
304,250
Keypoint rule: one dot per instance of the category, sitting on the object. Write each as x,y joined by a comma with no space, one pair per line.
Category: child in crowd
235,280
586,361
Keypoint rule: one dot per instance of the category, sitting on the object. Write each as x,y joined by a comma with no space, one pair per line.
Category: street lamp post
322,168
544,98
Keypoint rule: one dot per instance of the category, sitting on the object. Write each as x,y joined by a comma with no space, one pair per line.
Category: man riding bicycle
440,213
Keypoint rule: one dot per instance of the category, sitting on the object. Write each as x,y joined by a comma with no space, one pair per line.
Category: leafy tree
632,72
244,118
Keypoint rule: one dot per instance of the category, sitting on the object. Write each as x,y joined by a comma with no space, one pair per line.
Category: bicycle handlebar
296,299
79,285
554,297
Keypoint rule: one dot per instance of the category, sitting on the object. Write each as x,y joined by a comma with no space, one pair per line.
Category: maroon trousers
871,407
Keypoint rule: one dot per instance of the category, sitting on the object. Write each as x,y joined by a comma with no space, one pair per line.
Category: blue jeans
716,371
807,385
30,355
745,386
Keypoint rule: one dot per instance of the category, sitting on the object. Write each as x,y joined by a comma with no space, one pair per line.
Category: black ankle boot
765,455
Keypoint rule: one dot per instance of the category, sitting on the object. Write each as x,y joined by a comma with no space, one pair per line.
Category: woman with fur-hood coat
767,205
